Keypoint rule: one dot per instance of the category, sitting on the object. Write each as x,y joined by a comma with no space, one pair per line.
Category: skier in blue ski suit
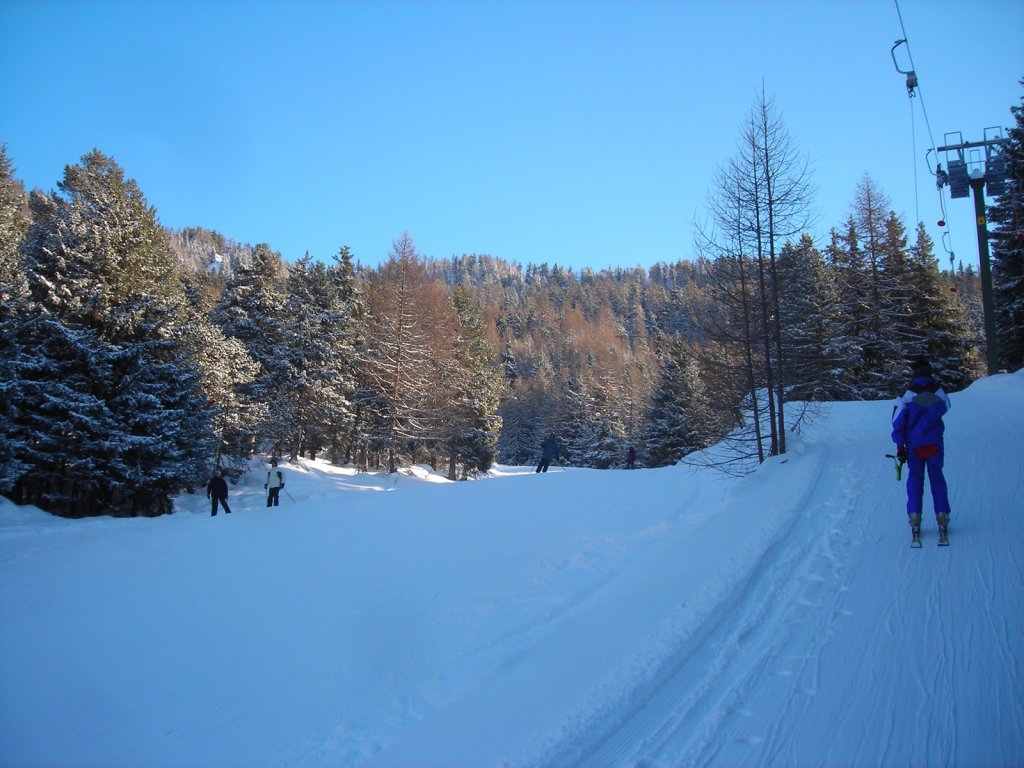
917,430
548,452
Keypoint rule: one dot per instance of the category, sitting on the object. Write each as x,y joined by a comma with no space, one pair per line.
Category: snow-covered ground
648,618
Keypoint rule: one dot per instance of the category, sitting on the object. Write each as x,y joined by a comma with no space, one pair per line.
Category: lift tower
985,167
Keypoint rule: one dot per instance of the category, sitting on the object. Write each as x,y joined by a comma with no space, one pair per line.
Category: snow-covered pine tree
226,374
524,417
574,421
679,418
845,259
813,328
14,437
607,448
883,245
252,310
13,226
895,317
321,337
1006,216
475,423
938,327
57,433
99,263
350,305
967,283
608,405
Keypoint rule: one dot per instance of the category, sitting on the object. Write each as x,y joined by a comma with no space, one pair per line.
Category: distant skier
631,458
217,490
917,430
274,484
548,452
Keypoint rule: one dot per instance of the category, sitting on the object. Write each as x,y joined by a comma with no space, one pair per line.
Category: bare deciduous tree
763,200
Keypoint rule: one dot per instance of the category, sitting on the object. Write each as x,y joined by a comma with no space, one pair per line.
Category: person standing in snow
548,452
917,430
217,490
274,484
631,458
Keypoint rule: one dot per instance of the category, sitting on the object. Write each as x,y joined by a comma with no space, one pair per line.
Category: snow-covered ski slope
650,618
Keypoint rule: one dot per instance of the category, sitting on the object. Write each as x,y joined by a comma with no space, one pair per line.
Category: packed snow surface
670,617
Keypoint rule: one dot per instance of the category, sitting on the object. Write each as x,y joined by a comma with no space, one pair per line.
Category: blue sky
577,133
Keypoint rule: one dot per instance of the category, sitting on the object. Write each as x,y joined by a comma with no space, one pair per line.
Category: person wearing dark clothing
274,484
631,458
917,430
217,490
548,452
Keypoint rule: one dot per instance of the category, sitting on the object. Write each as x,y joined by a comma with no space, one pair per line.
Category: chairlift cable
913,153
924,110
912,81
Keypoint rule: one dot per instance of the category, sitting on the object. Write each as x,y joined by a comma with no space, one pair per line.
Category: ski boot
943,521
915,531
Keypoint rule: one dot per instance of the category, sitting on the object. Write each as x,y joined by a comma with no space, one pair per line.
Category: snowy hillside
655,617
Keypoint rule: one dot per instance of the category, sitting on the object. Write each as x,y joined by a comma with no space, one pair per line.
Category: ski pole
898,464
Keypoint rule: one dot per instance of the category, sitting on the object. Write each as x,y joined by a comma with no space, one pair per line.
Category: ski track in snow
696,687
742,689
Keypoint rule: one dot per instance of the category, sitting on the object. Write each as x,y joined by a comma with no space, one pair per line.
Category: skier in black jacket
217,490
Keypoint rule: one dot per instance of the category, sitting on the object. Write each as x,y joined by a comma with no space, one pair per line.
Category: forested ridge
137,359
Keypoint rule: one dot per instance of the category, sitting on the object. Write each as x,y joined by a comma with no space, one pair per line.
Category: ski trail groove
683,706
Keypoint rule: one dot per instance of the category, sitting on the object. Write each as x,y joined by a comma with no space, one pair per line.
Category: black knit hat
921,367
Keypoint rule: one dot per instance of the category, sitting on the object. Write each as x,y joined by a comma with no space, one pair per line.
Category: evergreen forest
136,360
